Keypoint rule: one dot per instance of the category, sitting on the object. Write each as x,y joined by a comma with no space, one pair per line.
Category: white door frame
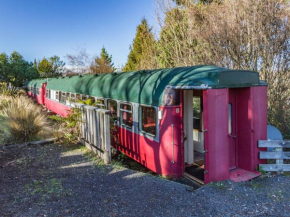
188,126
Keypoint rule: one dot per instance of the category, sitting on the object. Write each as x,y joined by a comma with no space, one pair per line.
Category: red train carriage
201,121
36,90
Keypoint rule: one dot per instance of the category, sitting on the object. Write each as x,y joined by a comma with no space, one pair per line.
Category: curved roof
36,83
147,86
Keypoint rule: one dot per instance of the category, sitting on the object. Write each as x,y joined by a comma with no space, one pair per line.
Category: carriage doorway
232,118
193,135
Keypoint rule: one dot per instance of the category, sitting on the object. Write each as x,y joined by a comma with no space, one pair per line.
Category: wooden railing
277,153
95,130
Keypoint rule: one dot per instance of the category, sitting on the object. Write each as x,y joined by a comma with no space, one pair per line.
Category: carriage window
49,94
78,97
230,118
37,91
100,103
63,97
112,105
68,98
46,95
148,122
197,112
72,97
93,100
84,97
59,96
126,114
56,95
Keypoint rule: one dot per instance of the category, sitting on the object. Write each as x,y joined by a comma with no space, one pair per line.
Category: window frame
108,106
141,121
128,111
230,118
57,95
78,97
72,97
99,105
84,97
200,114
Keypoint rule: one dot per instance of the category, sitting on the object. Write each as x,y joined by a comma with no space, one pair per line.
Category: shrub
23,120
5,91
67,128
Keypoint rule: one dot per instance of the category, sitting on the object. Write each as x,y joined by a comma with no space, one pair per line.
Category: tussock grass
23,120
5,91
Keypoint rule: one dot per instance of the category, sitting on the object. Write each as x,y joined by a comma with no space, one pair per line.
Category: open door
232,117
194,135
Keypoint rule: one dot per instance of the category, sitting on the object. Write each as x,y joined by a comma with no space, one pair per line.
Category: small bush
23,120
67,128
5,91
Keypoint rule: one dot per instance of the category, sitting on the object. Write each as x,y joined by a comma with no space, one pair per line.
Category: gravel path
57,180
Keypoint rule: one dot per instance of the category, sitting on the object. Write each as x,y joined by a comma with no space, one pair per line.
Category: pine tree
103,63
143,51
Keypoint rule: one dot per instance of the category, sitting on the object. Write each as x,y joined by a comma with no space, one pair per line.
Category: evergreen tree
50,67
143,51
15,69
103,63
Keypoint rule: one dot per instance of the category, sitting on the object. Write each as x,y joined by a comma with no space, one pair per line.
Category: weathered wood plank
102,131
274,144
107,136
274,155
39,142
275,167
97,131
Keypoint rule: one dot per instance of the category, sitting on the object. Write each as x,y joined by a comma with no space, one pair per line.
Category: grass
45,189
88,154
2,130
218,185
24,121
257,185
121,160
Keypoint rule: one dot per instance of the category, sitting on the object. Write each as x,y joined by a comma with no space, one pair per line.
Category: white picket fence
95,130
278,153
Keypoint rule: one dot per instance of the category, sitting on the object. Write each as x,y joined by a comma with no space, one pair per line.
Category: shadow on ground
59,180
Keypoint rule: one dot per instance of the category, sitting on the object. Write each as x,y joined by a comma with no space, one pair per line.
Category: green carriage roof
37,83
147,86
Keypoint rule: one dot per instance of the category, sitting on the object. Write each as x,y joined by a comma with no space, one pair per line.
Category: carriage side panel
171,141
58,108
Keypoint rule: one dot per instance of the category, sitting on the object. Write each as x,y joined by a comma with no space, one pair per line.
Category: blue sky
38,28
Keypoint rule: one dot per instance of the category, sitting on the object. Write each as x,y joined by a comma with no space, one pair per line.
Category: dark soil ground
62,180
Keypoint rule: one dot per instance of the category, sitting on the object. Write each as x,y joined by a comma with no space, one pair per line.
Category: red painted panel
244,133
252,125
215,114
39,98
44,93
233,134
157,156
259,104
57,107
171,115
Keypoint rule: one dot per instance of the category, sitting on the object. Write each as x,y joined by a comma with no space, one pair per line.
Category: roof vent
142,72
